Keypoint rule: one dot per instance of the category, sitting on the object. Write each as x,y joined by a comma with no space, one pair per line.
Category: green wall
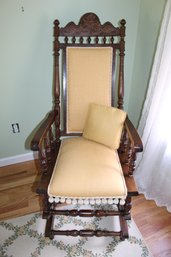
150,17
26,57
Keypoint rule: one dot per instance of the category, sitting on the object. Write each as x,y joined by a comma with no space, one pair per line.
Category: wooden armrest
42,130
133,136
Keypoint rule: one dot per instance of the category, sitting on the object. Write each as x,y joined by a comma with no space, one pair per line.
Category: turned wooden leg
124,228
48,229
46,207
128,206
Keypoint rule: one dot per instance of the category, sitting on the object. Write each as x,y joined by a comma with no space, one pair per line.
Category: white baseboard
18,158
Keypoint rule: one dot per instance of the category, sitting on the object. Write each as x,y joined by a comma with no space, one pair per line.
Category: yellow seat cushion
104,125
86,169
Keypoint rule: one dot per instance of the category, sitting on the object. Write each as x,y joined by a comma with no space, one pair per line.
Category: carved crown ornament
90,23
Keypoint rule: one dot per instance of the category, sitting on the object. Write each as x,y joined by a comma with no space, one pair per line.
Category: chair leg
128,206
48,229
124,216
46,215
46,207
124,228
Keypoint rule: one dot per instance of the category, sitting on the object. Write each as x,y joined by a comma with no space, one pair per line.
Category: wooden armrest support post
43,130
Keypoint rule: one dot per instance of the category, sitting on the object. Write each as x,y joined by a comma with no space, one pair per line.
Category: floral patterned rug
23,237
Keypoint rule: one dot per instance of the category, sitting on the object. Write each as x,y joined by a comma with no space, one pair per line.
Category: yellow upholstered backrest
89,79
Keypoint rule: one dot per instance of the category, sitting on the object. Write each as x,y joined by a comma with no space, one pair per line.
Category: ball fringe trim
87,201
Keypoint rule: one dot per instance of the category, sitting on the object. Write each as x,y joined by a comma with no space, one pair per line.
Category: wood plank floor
18,197
154,224
17,190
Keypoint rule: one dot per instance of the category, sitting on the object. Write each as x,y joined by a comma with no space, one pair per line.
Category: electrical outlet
15,128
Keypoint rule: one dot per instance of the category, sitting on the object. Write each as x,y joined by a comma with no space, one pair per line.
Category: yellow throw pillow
104,125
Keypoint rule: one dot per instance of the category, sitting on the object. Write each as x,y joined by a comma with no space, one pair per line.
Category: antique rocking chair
87,148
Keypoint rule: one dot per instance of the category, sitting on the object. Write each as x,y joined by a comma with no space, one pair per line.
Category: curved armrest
133,136
42,130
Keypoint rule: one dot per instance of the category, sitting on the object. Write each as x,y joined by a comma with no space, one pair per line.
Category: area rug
23,237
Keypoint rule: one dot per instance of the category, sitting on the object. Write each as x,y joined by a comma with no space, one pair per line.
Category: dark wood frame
47,138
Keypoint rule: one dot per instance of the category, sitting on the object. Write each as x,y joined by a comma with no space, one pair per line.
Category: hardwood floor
17,190
18,197
154,224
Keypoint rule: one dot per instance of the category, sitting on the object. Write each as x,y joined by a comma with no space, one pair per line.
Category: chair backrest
90,53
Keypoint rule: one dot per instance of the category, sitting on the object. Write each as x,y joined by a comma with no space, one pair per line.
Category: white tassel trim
87,201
